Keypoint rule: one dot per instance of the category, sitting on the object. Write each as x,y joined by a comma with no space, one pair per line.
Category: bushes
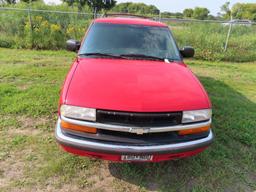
44,35
6,42
46,30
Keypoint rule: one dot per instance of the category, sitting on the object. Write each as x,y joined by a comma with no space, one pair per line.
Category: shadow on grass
226,165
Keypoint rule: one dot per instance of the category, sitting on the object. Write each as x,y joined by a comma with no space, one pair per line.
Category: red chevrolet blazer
129,96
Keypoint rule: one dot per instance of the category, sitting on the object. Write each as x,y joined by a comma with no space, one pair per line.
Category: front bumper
82,144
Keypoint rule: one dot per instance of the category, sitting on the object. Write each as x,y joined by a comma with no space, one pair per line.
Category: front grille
139,119
124,138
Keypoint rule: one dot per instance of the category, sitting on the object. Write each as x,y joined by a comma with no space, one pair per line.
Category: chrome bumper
94,146
137,130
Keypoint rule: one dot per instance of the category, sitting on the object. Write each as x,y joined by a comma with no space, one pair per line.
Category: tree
244,11
225,11
95,5
15,1
98,5
167,14
28,1
254,17
136,8
211,17
10,1
178,15
201,13
72,2
188,13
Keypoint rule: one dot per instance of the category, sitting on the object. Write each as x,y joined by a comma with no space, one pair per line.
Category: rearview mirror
187,52
73,45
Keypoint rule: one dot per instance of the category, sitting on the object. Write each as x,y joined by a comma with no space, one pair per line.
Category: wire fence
49,29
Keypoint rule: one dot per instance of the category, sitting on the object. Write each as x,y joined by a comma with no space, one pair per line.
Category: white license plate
137,157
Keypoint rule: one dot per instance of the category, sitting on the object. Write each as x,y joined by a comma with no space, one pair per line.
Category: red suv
129,97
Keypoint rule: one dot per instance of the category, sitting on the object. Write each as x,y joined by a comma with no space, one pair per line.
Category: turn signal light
74,127
194,131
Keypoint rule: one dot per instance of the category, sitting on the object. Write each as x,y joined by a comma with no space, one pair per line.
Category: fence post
229,32
75,18
95,12
228,36
31,26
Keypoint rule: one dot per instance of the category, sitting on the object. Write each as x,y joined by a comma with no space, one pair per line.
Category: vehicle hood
135,85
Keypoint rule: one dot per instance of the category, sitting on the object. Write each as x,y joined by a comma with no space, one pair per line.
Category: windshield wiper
102,55
143,56
125,56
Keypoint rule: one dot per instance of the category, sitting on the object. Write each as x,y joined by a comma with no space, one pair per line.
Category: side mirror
187,52
73,45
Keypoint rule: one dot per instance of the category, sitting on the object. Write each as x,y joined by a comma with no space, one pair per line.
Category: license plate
137,157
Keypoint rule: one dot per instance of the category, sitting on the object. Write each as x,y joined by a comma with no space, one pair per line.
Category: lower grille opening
124,138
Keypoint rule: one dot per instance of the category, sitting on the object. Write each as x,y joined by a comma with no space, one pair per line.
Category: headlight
196,116
78,112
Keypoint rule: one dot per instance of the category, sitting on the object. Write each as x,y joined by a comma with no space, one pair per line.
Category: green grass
209,40
31,160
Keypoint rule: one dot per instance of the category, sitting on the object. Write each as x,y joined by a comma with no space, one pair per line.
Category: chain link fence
49,29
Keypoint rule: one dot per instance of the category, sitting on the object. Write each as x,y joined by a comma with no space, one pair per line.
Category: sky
180,5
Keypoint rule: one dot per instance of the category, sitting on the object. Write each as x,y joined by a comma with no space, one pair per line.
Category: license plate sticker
137,157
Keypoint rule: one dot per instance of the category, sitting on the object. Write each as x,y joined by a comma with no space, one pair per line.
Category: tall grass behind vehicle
41,27
209,40
50,26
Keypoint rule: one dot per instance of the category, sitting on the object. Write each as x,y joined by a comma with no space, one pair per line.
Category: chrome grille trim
134,129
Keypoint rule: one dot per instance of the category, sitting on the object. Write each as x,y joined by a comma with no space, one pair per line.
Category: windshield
130,40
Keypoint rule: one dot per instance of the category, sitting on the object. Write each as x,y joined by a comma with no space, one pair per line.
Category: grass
209,40
51,30
31,160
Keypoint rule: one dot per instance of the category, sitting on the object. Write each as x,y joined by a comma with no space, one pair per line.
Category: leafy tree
244,11
225,10
27,1
93,4
100,4
172,15
16,1
211,17
201,13
136,8
254,17
178,15
188,13
9,1
167,14
72,2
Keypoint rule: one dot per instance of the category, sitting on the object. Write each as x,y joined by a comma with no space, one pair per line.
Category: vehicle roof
130,21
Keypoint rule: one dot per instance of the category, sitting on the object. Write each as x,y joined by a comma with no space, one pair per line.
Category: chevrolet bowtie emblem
139,131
